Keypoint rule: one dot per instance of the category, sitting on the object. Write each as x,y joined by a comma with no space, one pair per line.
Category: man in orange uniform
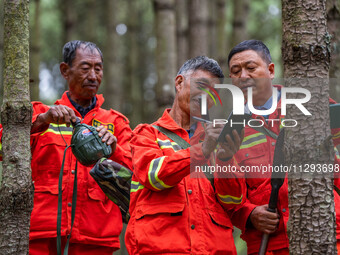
250,65
98,221
172,213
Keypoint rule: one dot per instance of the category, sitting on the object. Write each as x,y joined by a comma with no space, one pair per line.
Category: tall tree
305,50
221,35
240,18
16,192
112,71
198,28
182,27
333,23
68,17
166,61
212,28
35,53
1,47
134,93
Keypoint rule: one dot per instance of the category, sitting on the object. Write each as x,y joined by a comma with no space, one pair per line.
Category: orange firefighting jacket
257,149
171,212
98,220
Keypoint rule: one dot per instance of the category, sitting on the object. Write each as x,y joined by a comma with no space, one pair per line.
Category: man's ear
271,69
179,83
64,70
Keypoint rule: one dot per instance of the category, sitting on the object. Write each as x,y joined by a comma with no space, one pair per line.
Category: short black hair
255,45
70,48
202,63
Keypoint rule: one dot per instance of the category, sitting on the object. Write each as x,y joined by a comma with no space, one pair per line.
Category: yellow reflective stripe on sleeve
135,186
0,148
337,135
154,168
227,199
167,144
53,128
336,153
252,140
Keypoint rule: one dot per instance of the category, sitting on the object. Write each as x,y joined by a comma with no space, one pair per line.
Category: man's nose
92,75
244,74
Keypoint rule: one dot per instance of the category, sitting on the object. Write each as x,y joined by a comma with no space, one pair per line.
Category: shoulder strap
176,138
266,132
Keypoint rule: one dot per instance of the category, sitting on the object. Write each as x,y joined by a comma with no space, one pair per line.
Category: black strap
60,200
184,145
176,138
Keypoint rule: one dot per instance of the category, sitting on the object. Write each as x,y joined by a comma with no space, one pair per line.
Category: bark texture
166,60
306,54
16,192
333,24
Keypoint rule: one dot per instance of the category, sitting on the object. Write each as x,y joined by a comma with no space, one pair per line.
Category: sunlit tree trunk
306,53
333,24
35,54
16,192
240,18
182,26
112,67
166,61
198,28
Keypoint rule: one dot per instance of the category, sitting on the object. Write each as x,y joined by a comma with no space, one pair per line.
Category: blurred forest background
145,42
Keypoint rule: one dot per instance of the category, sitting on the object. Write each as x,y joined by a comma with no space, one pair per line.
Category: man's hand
263,220
210,139
59,114
229,148
107,137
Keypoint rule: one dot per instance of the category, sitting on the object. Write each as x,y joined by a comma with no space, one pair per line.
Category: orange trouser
47,246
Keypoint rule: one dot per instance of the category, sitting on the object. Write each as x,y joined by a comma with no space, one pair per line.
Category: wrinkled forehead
246,56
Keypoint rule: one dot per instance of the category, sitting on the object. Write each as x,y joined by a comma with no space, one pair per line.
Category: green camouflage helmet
87,146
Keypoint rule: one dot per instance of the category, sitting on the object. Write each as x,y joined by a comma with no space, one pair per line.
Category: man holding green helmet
51,131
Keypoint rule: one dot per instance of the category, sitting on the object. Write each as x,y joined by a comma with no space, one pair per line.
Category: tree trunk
198,28
1,48
182,26
212,29
112,66
134,92
333,24
16,192
68,17
166,60
35,54
91,21
305,50
221,35
241,11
